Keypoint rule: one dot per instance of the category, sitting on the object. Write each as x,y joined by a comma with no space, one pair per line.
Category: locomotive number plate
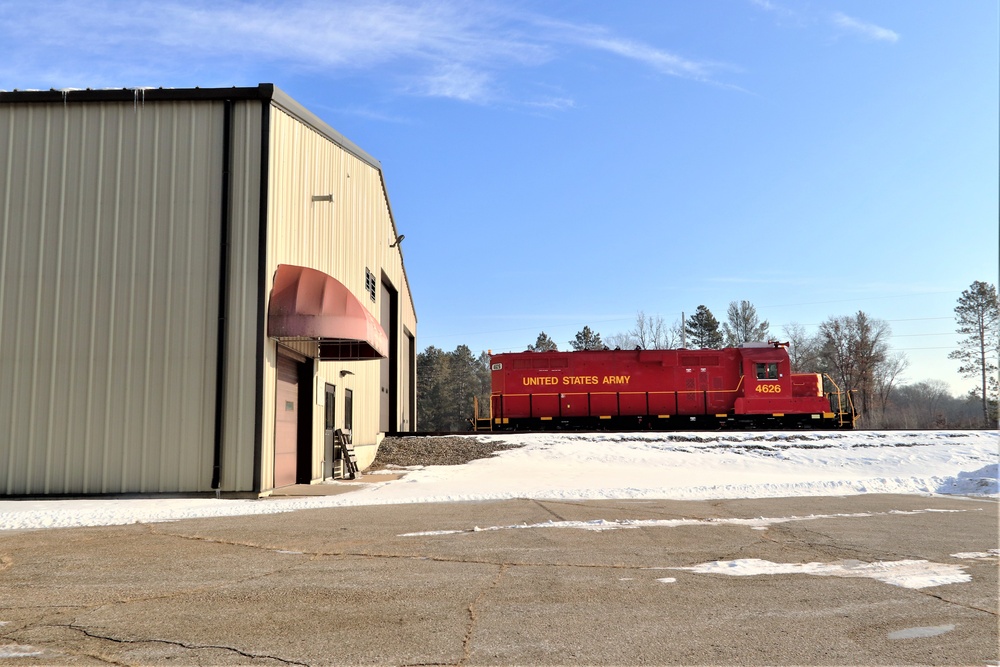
497,367
768,389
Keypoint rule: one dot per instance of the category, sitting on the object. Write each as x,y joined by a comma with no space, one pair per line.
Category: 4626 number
768,389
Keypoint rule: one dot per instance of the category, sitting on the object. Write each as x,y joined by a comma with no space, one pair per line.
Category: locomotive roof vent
755,344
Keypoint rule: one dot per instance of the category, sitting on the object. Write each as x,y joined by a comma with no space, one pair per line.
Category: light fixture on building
399,239
345,373
323,198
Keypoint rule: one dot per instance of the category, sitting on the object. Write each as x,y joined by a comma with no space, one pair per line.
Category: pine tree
446,383
978,317
587,340
543,344
433,373
744,326
463,384
703,330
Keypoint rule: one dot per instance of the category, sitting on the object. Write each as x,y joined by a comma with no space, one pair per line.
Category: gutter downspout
266,92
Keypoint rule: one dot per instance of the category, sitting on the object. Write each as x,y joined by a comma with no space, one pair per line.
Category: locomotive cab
771,391
767,378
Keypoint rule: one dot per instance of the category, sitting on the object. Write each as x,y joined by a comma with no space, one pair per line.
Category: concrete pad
354,586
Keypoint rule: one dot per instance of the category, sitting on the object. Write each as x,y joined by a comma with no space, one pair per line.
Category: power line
947,333
864,298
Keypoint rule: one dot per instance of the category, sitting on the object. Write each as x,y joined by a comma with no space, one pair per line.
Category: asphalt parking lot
493,583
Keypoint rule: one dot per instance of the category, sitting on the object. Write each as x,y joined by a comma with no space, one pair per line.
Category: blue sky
555,164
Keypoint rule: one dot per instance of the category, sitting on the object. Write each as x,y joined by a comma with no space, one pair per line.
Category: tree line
853,350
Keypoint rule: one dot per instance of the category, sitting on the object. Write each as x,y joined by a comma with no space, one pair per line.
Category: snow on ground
686,466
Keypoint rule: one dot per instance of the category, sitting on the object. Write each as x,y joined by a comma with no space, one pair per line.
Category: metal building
197,287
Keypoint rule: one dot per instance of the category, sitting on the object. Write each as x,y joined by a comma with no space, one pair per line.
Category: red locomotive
751,386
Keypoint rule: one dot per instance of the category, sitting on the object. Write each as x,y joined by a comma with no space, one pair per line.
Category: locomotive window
767,371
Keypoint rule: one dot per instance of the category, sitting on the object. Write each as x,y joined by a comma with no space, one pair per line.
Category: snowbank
684,466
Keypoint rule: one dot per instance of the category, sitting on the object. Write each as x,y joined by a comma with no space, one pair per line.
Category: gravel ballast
447,450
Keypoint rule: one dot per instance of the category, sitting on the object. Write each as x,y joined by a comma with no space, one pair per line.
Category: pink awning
307,304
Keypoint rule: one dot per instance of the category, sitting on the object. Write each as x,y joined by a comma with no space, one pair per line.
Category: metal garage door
286,421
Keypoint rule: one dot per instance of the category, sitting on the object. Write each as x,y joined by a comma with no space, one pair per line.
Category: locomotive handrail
840,403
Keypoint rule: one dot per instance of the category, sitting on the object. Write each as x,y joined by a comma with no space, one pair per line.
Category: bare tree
650,333
886,376
743,324
852,349
803,349
930,404
621,341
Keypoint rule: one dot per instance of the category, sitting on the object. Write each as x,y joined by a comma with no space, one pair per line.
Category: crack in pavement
389,556
378,555
956,603
170,642
782,536
549,509
474,616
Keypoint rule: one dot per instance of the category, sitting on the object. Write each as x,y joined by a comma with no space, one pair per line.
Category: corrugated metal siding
241,325
108,283
341,238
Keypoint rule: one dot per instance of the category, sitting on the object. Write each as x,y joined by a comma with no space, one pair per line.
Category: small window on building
767,371
348,410
370,283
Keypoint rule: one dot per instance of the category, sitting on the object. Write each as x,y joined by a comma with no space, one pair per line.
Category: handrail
840,403
476,419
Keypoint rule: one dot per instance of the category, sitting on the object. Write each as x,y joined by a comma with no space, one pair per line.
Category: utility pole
684,342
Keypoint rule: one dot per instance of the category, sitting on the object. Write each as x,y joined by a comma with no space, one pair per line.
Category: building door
406,384
329,427
286,422
388,384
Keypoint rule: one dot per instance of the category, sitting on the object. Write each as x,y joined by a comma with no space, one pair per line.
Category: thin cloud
868,30
456,81
768,6
370,114
804,18
552,103
599,38
437,48
665,62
